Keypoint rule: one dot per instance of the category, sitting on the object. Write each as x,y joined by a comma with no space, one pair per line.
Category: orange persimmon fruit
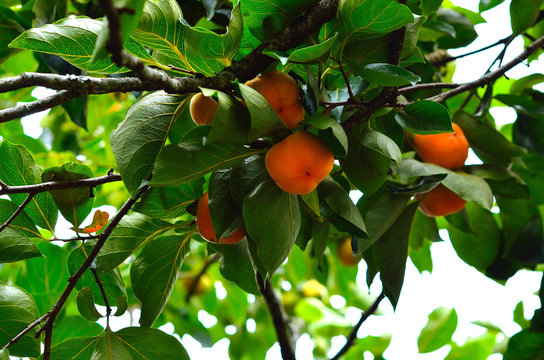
204,224
202,109
441,201
281,91
299,162
449,150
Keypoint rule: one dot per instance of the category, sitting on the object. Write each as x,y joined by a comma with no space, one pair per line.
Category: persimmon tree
371,75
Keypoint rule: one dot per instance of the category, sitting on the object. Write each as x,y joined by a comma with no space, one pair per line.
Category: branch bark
17,212
37,106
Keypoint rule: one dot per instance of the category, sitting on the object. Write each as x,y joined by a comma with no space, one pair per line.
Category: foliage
370,74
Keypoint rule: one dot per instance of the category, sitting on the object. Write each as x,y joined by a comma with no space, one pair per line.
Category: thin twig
27,330
56,185
17,212
192,289
346,79
2,185
428,86
279,318
78,238
48,102
353,334
72,281
103,292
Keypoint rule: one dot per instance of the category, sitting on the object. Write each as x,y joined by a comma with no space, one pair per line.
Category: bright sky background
452,284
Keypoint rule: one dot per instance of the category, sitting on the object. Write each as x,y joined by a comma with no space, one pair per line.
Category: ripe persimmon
202,109
281,91
299,162
345,253
441,201
449,150
204,224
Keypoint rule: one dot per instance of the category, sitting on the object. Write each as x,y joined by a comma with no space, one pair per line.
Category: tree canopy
370,82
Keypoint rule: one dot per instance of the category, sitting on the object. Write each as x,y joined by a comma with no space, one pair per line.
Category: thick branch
491,76
279,318
353,334
26,330
72,281
17,212
37,106
56,185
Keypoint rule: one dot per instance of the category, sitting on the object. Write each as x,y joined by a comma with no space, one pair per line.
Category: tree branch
428,86
279,318
26,330
37,105
56,185
103,292
17,212
491,76
353,334
72,281
194,285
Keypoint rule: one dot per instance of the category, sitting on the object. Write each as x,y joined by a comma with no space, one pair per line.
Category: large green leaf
79,348
138,140
236,266
525,345
74,326
523,14
306,54
425,117
133,231
224,212
381,143
18,168
438,331
73,39
523,105
368,19
382,74
169,202
191,159
207,52
155,271
17,310
75,203
45,277
231,122
272,219
15,246
391,252
332,133
161,29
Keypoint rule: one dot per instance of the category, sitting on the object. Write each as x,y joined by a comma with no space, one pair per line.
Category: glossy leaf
73,39
272,219
79,348
307,54
17,310
231,122
332,133
381,143
155,271
236,266
133,232
226,218
151,344
382,74
74,203
14,246
523,14
525,345
190,160
425,117
18,168
438,331
85,305
138,140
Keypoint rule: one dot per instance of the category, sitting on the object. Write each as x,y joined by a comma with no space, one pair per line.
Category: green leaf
112,282
425,117
383,74
18,168
489,144
264,119
236,266
523,105
207,52
73,39
265,18
69,327
482,248
523,14
370,177
381,143
231,122
226,218
475,348
11,28
110,347
4,354
391,252
79,348
438,331
76,203
169,202
306,54
155,271
190,159
340,209
137,141
45,278
133,232
368,19
525,345
528,132
14,246
17,310
85,305
332,133
423,228
272,219
151,344
161,29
